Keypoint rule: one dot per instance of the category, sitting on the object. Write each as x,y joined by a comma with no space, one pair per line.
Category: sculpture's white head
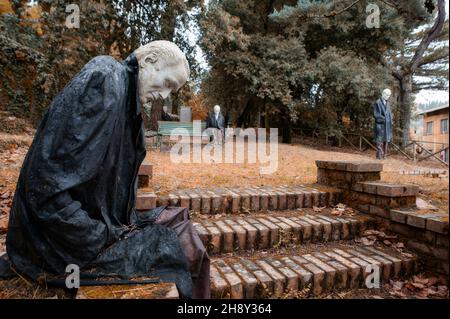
163,69
216,109
165,109
386,94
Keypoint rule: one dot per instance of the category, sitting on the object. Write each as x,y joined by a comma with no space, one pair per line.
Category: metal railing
412,150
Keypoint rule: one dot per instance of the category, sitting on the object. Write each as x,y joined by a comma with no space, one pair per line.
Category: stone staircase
313,272
276,229
268,255
234,200
270,241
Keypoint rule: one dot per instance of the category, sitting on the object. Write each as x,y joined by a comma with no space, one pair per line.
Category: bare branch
335,13
439,54
434,32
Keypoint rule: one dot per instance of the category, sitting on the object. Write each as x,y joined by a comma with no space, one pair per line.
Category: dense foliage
313,63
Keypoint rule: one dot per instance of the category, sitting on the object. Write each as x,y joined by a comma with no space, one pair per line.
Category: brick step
313,271
145,174
242,199
277,229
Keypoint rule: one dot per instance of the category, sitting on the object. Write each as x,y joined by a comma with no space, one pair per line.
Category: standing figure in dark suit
383,123
216,123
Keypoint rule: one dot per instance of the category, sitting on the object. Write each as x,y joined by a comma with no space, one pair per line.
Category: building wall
436,136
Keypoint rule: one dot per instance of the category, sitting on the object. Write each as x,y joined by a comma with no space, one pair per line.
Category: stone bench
344,174
377,198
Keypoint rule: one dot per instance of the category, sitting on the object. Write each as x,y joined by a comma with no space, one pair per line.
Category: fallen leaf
336,213
417,285
368,241
398,285
432,281
420,280
371,232
408,255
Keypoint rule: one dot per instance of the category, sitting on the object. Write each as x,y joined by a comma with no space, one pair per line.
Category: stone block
219,286
263,239
291,281
205,204
195,201
248,279
379,211
263,202
354,271
438,225
145,201
318,277
162,200
308,202
304,276
306,229
265,285
316,235
215,238
278,279
398,216
146,170
185,200
274,231
174,199
240,240
234,282
330,272
251,234
227,236
416,220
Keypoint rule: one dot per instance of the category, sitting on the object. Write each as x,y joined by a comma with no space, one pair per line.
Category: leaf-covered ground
296,165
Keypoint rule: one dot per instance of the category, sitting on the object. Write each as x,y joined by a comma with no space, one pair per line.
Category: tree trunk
155,114
287,130
405,105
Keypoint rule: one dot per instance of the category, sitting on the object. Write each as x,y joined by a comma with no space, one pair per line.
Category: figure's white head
216,109
165,109
386,94
163,69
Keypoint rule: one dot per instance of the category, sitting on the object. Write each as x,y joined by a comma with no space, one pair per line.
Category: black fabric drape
74,201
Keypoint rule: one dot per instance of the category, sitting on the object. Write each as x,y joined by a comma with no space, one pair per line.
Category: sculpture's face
216,109
386,94
165,108
157,80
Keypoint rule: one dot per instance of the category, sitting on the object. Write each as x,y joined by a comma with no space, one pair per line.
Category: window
444,126
429,128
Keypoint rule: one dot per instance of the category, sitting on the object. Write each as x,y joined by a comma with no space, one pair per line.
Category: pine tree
424,53
312,63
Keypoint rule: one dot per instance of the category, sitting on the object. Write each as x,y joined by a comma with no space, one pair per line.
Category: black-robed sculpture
74,201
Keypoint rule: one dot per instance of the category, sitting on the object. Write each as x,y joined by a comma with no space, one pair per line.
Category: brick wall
393,206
